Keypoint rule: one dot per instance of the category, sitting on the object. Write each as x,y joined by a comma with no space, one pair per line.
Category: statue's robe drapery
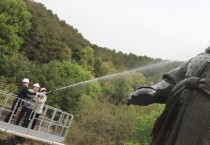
186,118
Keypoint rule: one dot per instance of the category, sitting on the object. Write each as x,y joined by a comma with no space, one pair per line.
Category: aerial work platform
52,126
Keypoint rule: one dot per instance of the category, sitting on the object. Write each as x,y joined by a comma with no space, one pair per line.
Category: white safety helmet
37,85
43,89
26,80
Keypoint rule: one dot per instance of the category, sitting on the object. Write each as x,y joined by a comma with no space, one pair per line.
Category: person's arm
31,96
29,93
41,99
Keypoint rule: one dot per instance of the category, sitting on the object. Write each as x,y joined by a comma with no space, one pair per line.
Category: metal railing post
69,125
31,120
51,120
4,103
13,111
64,124
59,121
43,116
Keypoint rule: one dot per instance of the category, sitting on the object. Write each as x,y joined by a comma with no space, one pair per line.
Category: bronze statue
186,92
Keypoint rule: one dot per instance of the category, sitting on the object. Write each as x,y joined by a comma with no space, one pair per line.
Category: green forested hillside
35,43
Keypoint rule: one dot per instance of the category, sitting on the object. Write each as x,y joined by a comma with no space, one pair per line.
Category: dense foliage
14,22
35,43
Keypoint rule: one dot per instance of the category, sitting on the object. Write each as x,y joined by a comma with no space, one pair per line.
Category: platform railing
53,124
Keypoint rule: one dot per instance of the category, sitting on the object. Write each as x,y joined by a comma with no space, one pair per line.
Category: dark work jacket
186,118
23,93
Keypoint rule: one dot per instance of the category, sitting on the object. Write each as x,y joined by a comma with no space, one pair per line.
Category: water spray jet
116,75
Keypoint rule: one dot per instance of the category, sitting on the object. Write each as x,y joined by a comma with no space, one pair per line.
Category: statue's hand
142,96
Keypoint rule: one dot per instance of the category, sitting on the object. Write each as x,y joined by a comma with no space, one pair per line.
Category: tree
56,75
144,124
107,68
118,89
14,22
87,59
51,38
102,123
13,69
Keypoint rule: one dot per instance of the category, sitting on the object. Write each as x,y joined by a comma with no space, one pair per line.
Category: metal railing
52,125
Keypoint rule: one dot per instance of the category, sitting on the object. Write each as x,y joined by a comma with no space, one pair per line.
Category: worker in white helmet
22,94
28,106
40,100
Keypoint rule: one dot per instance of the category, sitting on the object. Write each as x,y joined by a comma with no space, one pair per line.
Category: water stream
143,69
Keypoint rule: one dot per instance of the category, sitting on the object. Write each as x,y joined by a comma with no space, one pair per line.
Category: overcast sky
167,29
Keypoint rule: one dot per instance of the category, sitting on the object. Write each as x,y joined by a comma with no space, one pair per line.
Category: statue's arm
159,92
